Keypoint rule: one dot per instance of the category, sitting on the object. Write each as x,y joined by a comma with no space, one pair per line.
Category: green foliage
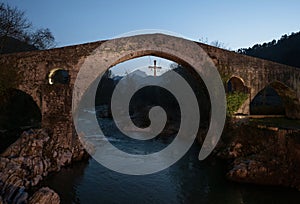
225,78
234,101
284,51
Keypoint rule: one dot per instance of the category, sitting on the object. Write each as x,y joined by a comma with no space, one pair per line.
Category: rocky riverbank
27,161
261,154
256,154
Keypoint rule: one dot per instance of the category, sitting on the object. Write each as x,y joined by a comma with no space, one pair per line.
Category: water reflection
67,182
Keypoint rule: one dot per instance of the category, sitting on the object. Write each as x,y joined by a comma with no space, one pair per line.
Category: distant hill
12,45
286,50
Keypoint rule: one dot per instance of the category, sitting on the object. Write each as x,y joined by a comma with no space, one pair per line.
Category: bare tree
204,40
218,44
42,39
14,24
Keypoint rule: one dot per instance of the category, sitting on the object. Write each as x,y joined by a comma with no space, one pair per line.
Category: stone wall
257,74
55,100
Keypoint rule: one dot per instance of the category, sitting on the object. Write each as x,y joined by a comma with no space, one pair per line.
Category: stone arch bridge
55,100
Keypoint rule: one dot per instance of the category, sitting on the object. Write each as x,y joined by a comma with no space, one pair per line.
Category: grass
234,101
284,123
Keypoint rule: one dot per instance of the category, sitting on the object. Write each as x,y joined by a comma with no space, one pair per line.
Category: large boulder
44,196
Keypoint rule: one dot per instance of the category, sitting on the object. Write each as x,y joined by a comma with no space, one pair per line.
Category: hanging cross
154,67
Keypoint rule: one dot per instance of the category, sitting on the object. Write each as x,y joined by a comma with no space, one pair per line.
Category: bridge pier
245,108
57,113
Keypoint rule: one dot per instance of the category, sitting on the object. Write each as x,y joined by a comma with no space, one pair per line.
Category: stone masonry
55,101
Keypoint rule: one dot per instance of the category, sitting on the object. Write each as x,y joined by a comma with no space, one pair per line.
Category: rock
36,180
54,154
64,158
21,196
25,163
13,194
44,196
235,150
266,156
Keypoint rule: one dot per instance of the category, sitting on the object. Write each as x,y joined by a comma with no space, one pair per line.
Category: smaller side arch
58,76
18,112
236,84
288,97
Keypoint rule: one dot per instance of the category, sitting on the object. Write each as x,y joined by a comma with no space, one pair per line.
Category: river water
187,181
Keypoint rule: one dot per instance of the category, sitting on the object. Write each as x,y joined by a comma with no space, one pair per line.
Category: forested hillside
286,50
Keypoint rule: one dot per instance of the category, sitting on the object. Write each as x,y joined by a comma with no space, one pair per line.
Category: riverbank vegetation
234,101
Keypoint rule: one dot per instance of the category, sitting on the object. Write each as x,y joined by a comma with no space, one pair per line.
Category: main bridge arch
177,49
182,51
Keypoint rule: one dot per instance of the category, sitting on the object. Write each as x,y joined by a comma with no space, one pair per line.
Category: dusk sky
235,23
